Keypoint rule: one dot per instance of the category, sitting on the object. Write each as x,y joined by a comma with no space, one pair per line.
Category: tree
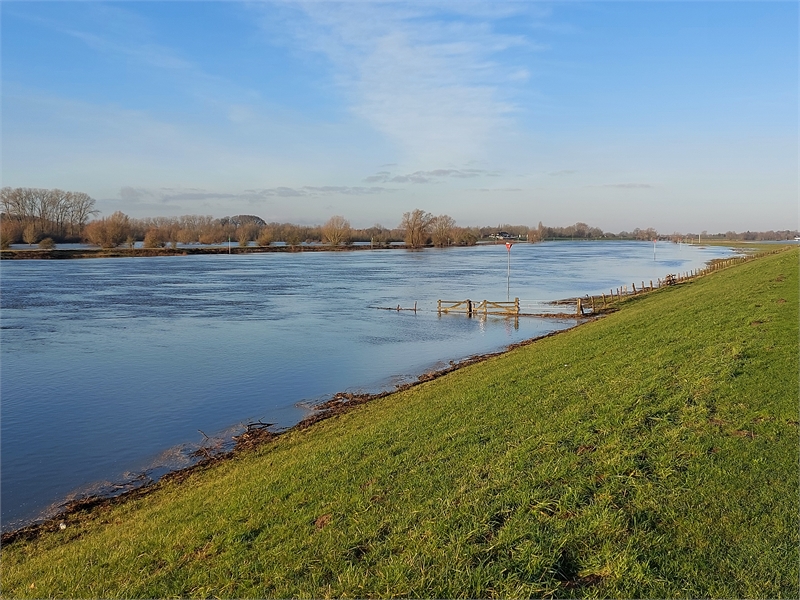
442,228
292,235
464,237
416,225
109,232
265,237
10,231
57,212
29,234
154,238
336,230
246,232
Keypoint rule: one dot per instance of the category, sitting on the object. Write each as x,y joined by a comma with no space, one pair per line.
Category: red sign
508,246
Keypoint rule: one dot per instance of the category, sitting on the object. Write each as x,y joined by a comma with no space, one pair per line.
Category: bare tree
81,208
109,232
336,231
465,237
442,228
154,238
292,235
10,231
265,236
53,211
416,225
246,232
29,235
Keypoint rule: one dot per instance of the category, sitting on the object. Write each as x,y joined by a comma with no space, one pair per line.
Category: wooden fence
484,307
596,304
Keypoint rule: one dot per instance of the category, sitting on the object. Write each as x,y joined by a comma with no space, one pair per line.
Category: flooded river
110,368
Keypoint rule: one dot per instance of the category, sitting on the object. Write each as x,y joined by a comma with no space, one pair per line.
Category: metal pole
508,274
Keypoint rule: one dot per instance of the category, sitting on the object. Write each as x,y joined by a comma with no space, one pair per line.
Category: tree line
33,215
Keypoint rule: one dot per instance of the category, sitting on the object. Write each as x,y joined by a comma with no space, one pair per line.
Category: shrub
153,239
265,237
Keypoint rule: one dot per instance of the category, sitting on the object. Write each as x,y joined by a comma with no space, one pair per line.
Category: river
110,368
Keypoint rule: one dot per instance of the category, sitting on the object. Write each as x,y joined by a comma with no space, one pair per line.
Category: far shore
34,252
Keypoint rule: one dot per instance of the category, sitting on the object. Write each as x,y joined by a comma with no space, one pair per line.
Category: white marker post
508,275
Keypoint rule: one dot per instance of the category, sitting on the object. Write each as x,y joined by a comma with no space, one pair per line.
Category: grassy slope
653,453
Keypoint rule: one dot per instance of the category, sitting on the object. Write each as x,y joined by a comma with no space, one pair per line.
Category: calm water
112,367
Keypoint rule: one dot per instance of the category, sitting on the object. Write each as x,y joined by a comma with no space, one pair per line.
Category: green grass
652,453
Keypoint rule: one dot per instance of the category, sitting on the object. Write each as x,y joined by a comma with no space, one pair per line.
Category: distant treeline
32,215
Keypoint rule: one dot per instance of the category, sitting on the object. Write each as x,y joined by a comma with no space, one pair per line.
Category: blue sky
681,116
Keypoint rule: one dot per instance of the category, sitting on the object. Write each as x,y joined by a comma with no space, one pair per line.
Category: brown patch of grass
743,433
323,520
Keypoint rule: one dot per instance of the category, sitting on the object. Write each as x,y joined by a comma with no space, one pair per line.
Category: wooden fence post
579,308
516,306
439,307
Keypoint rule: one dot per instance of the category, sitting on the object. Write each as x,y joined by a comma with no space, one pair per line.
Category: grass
652,453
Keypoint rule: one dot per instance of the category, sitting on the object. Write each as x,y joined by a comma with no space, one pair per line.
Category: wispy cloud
425,74
562,172
428,176
627,186
177,195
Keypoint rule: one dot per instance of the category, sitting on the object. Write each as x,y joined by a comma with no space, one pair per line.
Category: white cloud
428,81
627,186
434,176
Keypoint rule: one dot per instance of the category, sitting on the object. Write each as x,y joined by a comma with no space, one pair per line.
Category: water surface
114,367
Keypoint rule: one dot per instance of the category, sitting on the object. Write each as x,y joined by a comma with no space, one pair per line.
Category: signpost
508,275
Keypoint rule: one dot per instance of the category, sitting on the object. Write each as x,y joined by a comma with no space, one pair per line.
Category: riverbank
652,453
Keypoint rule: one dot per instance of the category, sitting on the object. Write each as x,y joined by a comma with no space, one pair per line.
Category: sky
681,116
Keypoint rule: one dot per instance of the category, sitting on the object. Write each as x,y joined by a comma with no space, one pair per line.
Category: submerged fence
484,307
